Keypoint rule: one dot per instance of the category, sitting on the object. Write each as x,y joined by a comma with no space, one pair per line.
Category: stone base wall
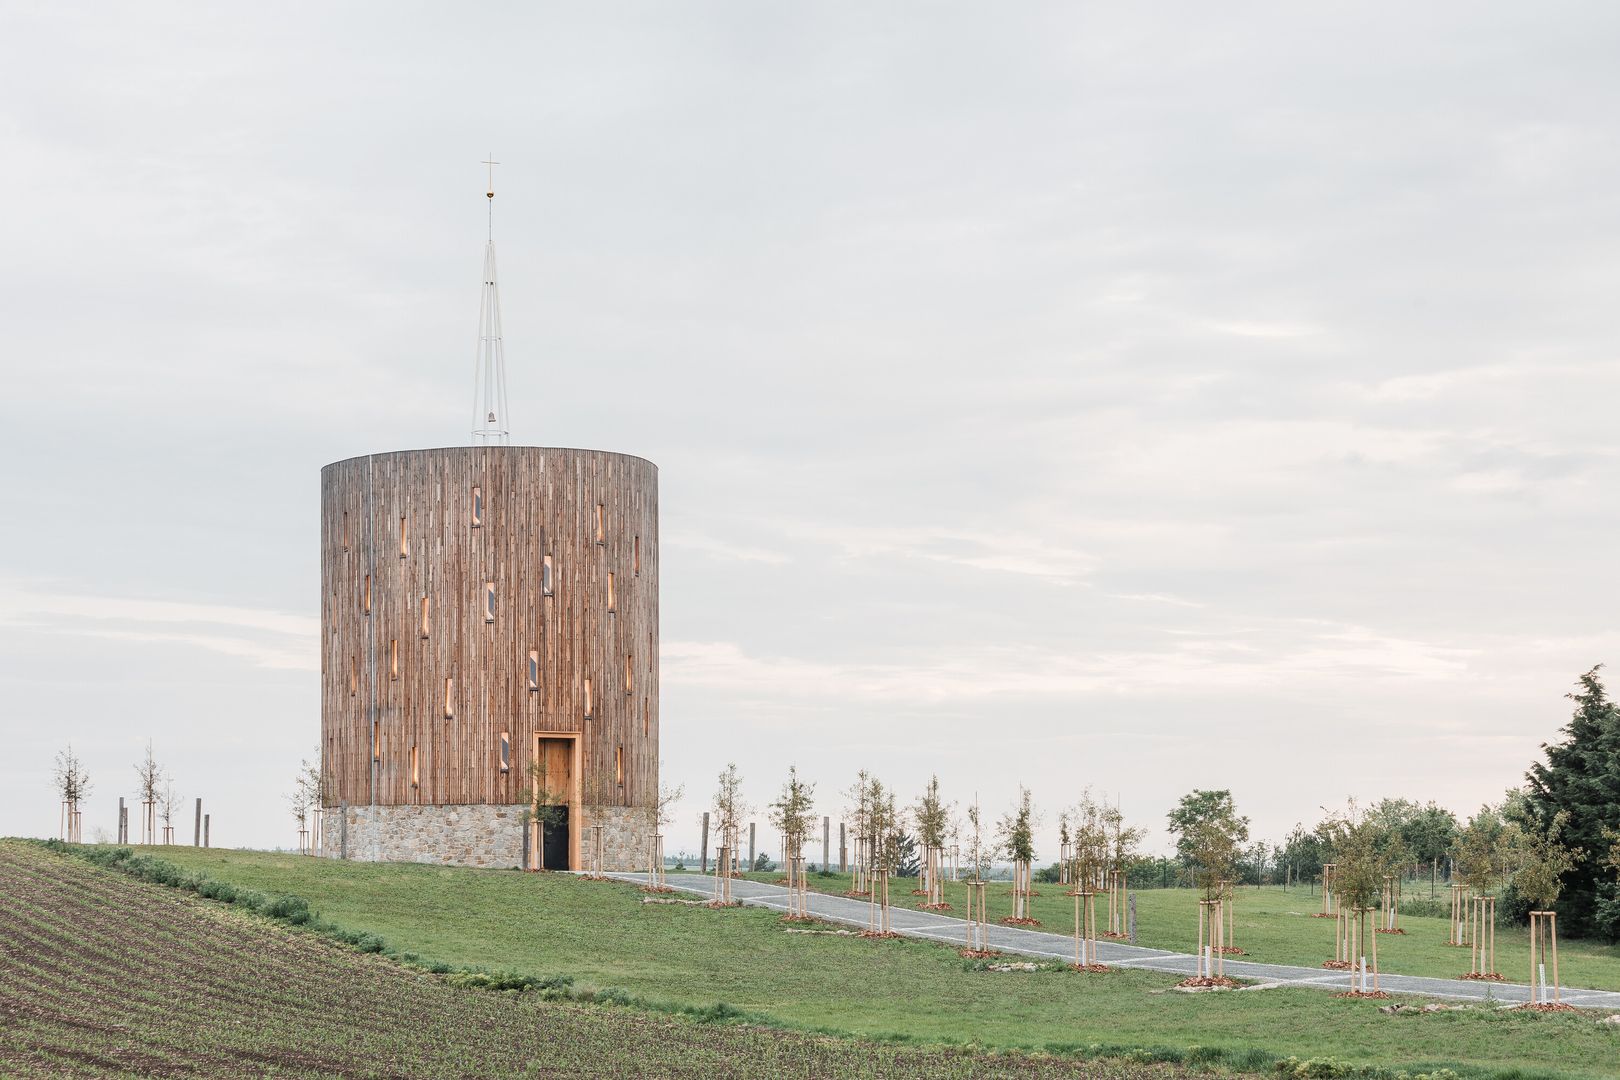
626,831
473,835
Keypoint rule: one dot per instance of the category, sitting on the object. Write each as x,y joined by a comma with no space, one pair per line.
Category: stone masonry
473,835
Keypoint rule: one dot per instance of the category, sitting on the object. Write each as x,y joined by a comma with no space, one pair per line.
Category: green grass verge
603,936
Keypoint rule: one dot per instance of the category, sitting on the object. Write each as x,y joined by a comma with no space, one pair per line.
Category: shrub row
1251,1060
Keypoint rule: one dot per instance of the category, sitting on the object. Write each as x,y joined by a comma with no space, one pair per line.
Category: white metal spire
489,369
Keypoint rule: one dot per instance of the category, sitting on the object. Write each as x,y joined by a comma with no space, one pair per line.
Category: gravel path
937,927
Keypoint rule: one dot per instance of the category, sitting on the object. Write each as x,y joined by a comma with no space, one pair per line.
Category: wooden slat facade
401,528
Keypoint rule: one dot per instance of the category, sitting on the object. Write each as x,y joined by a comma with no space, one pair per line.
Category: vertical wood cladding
428,628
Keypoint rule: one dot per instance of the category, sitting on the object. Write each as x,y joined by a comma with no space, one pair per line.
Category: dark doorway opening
554,838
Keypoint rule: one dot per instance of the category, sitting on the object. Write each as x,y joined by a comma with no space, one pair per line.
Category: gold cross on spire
491,163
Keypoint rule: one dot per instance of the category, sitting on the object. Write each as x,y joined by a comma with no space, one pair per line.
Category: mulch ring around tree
1010,921
1484,976
859,895
977,954
1397,930
658,888
1549,1006
791,918
1322,915
1111,936
881,935
1378,994
1095,969
1337,965
934,907
1207,982
723,904
1230,950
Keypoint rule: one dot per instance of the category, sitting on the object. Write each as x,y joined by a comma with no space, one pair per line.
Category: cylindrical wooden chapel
489,648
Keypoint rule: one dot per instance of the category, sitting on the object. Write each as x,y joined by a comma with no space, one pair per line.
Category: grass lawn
604,935
1274,926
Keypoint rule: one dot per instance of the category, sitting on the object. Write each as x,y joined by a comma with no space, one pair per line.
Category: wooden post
205,830
704,868
1075,892
1543,947
1229,928
978,931
751,864
655,861
123,817
1552,933
1131,924
1487,917
721,878
826,844
196,836
843,850
1375,963
1113,904
1203,918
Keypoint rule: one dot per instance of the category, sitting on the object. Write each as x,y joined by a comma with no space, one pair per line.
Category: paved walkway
1012,939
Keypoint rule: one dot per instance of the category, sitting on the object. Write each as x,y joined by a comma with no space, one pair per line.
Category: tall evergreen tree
1581,777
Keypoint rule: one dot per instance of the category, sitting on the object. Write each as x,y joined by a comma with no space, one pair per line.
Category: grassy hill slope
107,976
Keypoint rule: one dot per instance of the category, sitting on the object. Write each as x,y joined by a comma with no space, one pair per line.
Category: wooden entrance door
554,790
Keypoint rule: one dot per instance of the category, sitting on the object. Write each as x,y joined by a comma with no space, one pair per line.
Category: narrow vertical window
506,751
365,603
449,698
345,530
646,719
534,669
545,576
416,766
612,600
618,765
587,699
489,601
427,624
354,675
635,556
478,507
601,525
393,658
376,741
404,540
629,679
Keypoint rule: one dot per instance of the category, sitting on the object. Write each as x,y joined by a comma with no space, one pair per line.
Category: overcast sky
1146,396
